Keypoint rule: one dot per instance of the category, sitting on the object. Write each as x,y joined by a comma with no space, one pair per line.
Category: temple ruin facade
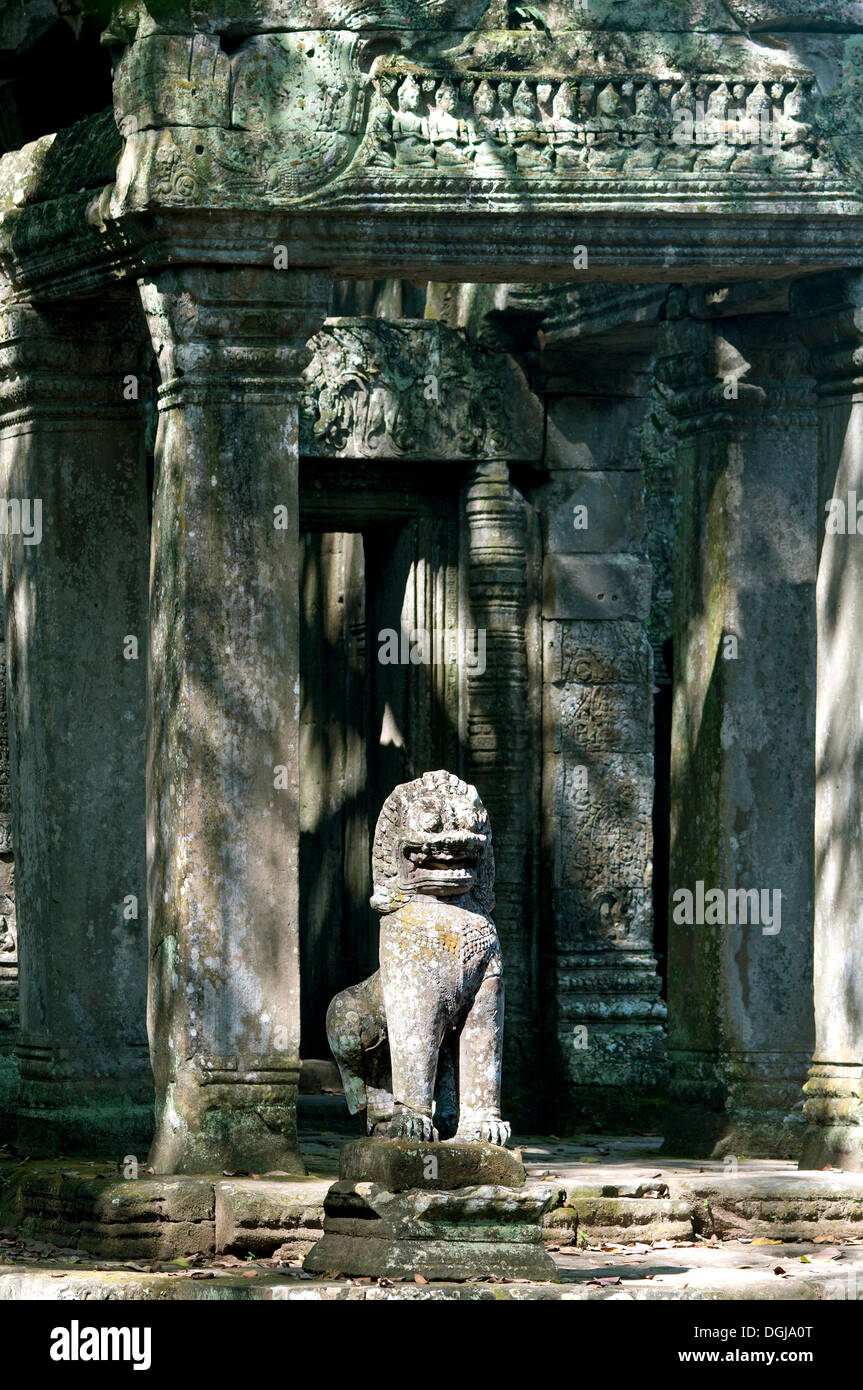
416,384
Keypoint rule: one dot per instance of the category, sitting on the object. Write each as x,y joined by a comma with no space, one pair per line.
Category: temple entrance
376,601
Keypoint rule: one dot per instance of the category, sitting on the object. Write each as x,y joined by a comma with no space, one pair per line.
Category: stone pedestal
443,1211
222,784
74,478
829,312
742,784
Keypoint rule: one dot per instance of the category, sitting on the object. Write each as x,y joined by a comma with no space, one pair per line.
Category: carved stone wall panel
620,916
599,689
599,653
621,1058
594,719
604,812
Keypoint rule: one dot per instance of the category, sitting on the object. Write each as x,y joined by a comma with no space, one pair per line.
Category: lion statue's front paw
409,1124
492,1131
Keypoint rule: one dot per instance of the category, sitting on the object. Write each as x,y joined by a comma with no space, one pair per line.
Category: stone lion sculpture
418,1044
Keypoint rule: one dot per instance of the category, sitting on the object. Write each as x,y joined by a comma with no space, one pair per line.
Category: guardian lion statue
418,1044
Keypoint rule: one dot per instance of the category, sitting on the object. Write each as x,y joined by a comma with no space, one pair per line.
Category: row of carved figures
493,126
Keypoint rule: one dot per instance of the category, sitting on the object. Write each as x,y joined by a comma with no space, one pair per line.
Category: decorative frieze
500,125
290,117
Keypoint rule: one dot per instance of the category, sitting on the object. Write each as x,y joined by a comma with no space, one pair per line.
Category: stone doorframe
415,391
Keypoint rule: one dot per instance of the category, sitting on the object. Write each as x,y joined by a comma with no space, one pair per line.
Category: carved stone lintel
416,390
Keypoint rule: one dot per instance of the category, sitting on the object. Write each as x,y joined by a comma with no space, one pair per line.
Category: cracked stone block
261,1215
146,1218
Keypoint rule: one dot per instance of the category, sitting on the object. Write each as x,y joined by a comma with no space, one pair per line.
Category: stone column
75,581
742,784
500,552
223,811
829,313
608,1016
8,928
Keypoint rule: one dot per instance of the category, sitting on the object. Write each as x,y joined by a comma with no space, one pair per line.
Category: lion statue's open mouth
443,865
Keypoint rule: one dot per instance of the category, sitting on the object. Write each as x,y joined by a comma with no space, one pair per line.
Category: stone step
161,1217
730,1272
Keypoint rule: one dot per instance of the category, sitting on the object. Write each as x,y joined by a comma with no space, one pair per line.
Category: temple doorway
375,602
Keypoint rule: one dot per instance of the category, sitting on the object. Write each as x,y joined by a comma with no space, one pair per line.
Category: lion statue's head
432,836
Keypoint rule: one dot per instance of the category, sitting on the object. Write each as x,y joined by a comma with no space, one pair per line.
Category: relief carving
491,127
303,103
388,390
291,114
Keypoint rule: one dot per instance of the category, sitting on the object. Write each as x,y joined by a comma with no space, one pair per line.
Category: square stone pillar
72,436
829,313
222,782
501,572
742,786
608,1015
8,927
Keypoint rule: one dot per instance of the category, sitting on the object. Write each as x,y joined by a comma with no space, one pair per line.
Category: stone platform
665,1228
667,1271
